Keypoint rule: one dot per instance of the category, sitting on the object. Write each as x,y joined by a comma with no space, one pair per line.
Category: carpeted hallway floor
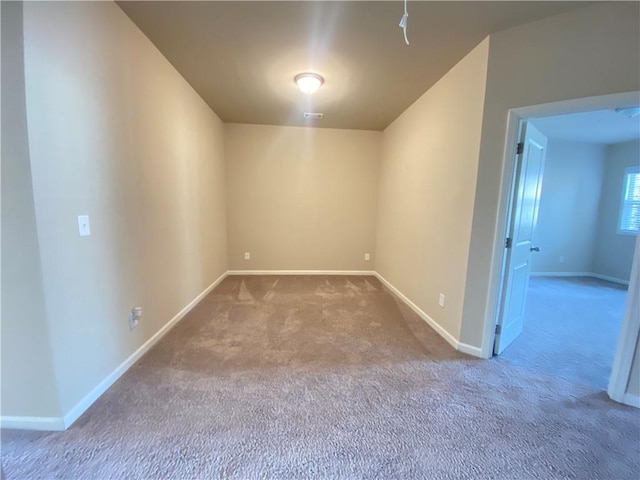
331,377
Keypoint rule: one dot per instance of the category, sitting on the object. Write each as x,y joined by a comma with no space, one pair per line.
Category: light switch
84,229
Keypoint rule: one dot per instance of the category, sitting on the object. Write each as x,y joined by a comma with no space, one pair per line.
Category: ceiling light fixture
308,82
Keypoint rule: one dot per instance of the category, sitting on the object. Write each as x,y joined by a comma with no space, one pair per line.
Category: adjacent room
584,238
271,240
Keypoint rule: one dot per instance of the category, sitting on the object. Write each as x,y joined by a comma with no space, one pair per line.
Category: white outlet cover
367,257
441,300
84,228
247,256
136,313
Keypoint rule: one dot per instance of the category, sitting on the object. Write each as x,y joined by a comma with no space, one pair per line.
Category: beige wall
614,251
115,132
428,176
583,53
568,216
28,384
301,198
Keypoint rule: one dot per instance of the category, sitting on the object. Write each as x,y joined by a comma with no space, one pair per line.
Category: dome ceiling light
308,82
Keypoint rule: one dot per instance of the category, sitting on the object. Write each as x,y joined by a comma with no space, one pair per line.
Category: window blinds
630,212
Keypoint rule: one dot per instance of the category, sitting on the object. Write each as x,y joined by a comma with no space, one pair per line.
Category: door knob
534,249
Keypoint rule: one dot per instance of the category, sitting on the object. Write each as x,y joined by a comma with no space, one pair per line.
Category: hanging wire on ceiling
403,23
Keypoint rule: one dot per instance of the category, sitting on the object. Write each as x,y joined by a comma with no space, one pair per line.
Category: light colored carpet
330,377
571,329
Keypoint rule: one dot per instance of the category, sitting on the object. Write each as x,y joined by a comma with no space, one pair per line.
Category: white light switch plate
84,229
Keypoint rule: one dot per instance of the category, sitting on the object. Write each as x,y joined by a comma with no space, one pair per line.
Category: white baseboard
102,387
631,400
611,279
580,274
432,323
301,272
560,274
471,350
33,423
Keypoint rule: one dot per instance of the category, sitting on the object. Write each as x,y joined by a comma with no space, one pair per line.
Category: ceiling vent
313,116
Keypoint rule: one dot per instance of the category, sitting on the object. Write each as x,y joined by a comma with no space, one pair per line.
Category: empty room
583,243
284,240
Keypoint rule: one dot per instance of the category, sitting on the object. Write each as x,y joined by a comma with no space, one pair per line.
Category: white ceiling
604,127
241,56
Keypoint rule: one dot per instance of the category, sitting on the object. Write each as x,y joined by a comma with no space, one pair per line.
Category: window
630,209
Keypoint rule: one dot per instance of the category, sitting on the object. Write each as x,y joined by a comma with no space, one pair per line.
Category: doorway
523,209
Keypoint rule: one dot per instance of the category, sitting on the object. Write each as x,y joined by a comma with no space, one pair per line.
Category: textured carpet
571,329
330,377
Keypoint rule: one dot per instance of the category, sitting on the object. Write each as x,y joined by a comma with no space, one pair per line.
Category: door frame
515,118
628,339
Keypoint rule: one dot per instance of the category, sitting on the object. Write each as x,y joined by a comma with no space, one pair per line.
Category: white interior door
524,215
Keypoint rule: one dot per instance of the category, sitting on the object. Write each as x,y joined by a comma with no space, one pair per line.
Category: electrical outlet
84,229
134,317
441,300
247,255
367,257
561,259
